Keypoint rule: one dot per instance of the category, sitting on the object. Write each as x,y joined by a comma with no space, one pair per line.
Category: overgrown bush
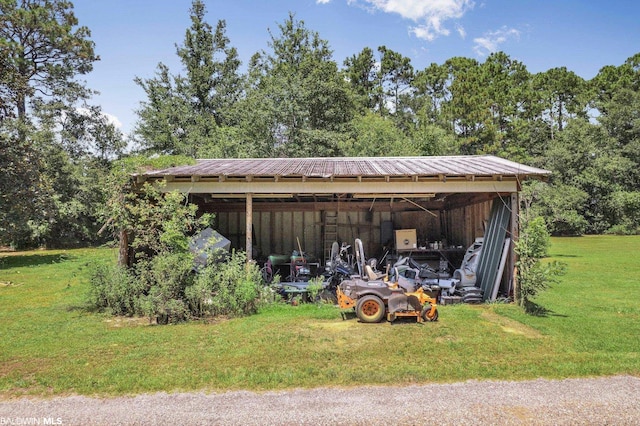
228,288
165,278
315,288
534,239
114,289
168,289
163,282
534,276
626,208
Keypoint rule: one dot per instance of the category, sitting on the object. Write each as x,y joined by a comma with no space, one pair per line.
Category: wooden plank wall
278,231
428,227
275,232
467,223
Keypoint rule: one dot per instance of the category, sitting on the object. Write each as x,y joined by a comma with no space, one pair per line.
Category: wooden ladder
330,232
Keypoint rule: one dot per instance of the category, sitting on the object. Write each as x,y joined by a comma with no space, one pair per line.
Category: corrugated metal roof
463,165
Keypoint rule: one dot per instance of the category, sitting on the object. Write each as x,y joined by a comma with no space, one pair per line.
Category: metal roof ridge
408,157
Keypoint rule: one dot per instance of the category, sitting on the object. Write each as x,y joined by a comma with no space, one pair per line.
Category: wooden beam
353,206
455,201
342,187
249,227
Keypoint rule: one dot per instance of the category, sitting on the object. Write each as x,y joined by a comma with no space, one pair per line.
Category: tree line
57,150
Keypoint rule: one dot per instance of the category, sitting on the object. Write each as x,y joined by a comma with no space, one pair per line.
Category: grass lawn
50,345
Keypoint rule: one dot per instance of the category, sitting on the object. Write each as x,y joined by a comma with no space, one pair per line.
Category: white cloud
429,15
323,1
111,119
491,40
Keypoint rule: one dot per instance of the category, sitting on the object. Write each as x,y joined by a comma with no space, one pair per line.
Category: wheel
426,315
370,309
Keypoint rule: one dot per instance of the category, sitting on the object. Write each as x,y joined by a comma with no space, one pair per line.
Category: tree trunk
123,253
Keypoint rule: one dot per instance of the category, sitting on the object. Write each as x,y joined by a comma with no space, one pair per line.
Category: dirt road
611,400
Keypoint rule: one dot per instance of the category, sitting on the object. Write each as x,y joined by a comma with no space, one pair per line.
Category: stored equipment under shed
278,205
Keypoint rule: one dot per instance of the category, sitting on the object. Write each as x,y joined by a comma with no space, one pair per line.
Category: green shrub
156,305
165,278
163,283
533,275
226,288
115,289
314,288
624,229
625,207
534,239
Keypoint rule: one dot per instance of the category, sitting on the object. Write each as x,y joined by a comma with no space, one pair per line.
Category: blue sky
133,36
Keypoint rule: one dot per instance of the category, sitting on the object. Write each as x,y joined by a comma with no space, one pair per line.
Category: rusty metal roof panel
479,165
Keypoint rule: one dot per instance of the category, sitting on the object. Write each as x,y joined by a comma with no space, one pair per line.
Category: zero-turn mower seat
371,274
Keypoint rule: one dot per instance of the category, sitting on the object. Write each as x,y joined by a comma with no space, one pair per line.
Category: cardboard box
406,239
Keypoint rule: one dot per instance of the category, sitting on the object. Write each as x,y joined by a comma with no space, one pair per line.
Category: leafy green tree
611,79
42,50
86,132
506,81
384,85
584,156
559,204
430,91
298,103
562,94
160,128
376,136
395,77
360,71
430,139
622,119
190,114
23,189
212,66
465,110
56,193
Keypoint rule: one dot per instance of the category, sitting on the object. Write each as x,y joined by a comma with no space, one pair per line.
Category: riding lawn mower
372,295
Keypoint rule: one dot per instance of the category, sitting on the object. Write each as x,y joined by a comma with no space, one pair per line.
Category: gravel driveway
610,400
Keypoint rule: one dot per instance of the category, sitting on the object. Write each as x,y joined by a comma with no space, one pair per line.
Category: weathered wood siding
275,232
465,224
279,231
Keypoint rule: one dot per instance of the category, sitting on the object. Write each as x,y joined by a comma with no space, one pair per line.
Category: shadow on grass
536,310
21,261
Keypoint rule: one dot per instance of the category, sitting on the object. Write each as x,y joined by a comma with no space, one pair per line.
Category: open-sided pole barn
275,205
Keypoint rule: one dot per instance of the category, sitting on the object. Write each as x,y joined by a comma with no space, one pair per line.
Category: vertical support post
515,232
249,230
